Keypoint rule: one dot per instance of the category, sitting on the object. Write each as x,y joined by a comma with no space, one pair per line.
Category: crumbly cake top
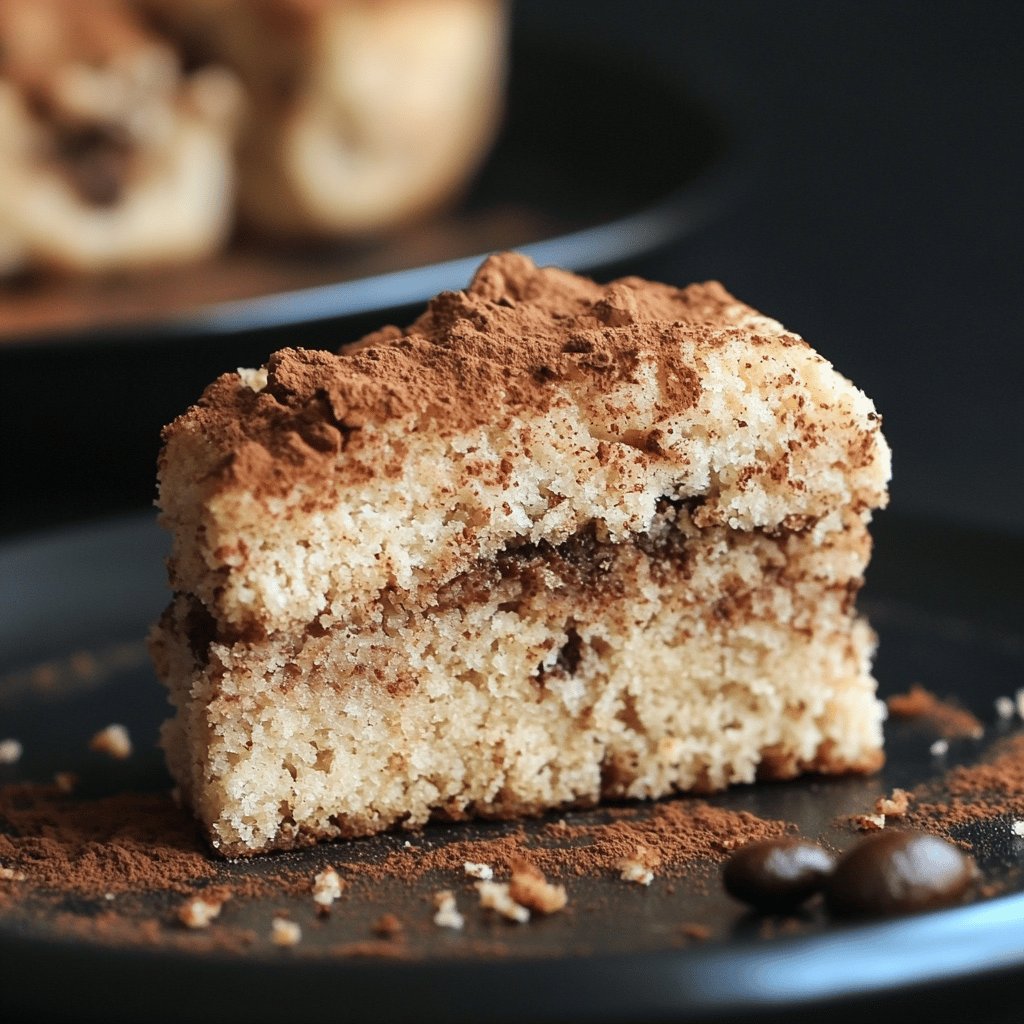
506,342
526,408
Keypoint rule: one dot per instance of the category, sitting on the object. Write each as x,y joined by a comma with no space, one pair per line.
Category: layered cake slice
554,542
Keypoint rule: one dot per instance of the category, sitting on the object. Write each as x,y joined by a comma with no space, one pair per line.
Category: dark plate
948,615
598,161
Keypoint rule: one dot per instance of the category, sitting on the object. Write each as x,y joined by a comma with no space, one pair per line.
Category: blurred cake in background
136,132
110,155
363,113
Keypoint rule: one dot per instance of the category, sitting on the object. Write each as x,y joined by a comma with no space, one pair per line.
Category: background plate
584,174
947,615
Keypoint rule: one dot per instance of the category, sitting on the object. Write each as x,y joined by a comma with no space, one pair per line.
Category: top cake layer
532,404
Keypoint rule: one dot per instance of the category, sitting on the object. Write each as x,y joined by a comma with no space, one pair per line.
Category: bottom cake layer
549,677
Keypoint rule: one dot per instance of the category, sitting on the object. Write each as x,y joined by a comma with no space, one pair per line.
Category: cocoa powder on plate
117,869
674,835
121,843
990,789
96,868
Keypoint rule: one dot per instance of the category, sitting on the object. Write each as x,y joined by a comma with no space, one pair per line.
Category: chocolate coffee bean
777,874
898,872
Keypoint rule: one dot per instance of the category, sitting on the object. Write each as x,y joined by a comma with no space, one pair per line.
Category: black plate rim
944,945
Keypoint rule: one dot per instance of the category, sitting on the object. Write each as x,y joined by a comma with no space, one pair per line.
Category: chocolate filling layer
582,563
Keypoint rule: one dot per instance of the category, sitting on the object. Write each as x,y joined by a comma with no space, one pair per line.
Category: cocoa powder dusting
672,839
567,331
120,869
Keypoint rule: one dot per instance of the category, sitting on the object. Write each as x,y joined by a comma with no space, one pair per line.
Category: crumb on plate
114,741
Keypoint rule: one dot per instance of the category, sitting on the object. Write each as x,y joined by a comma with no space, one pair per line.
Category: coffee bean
898,872
777,874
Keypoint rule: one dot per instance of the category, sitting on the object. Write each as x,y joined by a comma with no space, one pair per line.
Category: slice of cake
363,114
554,542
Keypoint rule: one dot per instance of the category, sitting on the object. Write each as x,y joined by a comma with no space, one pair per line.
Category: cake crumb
199,911
327,886
638,868
12,875
1017,827
388,926
448,915
867,822
496,896
66,782
482,871
114,741
633,871
895,806
694,930
285,933
530,888
940,748
1005,708
11,751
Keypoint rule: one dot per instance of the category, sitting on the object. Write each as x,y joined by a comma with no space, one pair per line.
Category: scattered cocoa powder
673,835
124,843
118,869
370,948
135,859
672,838
948,719
970,793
